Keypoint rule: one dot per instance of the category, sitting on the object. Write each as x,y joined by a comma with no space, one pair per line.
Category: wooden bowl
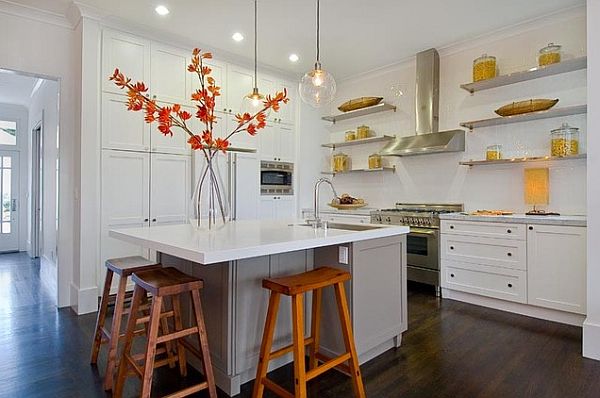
359,103
347,207
521,107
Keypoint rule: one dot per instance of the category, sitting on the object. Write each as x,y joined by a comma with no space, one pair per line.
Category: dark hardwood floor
451,350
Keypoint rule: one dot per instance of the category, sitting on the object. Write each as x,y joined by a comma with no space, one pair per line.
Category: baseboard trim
517,308
591,340
86,300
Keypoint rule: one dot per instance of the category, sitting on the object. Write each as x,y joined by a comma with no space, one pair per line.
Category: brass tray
359,103
347,207
528,106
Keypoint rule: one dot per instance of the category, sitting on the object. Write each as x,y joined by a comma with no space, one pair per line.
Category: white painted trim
516,308
35,14
87,299
591,340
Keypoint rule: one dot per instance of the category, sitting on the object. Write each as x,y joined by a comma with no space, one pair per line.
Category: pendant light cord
255,43
318,27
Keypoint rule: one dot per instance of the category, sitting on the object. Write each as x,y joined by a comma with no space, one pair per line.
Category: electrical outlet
343,254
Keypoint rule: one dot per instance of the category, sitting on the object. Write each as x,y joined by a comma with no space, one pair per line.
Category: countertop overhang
244,239
565,220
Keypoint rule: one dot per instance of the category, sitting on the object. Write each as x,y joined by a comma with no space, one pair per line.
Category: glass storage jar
375,161
350,135
341,162
493,152
484,68
362,132
564,141
549,55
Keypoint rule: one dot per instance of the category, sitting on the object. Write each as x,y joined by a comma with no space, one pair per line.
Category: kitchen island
234,259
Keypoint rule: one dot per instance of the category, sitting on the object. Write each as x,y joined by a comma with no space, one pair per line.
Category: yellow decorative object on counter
341,162
493,152
350,135
375,161
549,55
564,141
363,132
484,68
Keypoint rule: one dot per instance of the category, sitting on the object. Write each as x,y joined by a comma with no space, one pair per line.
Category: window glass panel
6,228
8,133
6,194
6,162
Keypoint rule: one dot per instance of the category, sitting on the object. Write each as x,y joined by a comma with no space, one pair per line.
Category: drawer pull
451,275
510,285
451,247
530,228
509,254
451,226
508,231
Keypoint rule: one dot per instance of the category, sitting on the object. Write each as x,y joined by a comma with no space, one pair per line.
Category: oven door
422,247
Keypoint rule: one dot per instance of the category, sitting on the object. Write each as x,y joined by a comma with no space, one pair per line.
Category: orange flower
222,144
150,112
176,108
251,129
206,70
207,55
273,102
140,87
207,137
184,115
243,118
195,142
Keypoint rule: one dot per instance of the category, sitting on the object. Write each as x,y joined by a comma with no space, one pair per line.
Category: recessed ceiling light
161,10
237,36
294,58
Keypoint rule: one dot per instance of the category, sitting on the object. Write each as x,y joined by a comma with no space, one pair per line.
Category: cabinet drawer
347,219
493,282
505,253
484,229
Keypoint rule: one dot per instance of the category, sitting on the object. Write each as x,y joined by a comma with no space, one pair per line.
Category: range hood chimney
427,139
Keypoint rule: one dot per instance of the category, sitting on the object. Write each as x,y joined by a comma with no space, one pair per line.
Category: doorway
36,190
9,198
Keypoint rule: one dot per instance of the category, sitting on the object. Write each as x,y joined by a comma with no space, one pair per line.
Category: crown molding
34,14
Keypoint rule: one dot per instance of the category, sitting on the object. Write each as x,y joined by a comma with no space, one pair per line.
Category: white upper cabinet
175,144
240,82
123,129
556,267
219,73
277,142
287,143
170,188
129,53
169,80
287,112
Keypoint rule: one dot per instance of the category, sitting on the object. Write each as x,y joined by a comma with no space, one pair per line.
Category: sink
345,227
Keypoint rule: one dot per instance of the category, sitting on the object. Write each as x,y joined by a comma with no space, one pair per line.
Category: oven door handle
421,231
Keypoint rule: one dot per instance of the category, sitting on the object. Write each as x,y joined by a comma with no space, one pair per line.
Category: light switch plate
343,254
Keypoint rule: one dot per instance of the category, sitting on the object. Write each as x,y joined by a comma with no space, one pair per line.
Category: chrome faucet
316,221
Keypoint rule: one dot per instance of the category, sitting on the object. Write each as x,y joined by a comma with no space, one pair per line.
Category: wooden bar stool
165,283
124,267
294,286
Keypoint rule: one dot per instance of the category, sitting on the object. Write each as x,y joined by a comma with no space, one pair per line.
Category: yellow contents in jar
340,163
564,147
493,155
483,70
549,58
350,136
374,161
362,132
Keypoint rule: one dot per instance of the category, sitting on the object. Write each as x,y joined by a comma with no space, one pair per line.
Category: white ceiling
16,89
356,35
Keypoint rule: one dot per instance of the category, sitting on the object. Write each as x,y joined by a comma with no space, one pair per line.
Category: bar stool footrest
328,365
276,388
288,348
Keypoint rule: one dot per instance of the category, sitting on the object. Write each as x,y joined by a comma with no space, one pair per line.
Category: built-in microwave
276,178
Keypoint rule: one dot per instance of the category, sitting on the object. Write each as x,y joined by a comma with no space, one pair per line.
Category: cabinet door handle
451,226
531,228
508,231
510,285
451,275
509,254
146,220
451,247
154,220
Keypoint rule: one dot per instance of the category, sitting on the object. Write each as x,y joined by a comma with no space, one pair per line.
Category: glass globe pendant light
317,87
253,101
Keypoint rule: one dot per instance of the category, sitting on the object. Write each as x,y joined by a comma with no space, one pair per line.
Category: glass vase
209,206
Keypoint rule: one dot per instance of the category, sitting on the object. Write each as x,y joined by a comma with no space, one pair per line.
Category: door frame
15,198
37,188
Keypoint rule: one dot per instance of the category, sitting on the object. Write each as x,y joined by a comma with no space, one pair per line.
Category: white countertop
361,211
244,239
566,220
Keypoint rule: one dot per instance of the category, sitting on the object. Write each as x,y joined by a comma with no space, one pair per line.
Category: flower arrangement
175,116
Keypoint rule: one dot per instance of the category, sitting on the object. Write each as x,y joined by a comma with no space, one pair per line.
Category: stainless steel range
423,241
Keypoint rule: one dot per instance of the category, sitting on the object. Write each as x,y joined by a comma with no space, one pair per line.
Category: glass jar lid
484,58
551,48
565,129
374,155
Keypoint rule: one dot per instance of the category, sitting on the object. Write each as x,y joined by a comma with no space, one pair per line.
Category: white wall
45,104
20,115
591,327
439,178
49,48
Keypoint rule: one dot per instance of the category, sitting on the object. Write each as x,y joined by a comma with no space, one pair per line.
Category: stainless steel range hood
427,138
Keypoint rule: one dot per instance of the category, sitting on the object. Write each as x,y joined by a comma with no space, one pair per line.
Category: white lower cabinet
170,190
538,265
277,207
556,267
346,219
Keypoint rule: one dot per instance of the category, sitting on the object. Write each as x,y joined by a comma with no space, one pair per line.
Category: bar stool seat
295,286
163,283
124,267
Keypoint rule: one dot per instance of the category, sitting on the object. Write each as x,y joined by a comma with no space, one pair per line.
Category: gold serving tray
347,207
521,107
359,103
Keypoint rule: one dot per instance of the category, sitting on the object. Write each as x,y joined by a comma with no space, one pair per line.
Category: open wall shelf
533,73
370,140
392,169
382,107
526,117
521,160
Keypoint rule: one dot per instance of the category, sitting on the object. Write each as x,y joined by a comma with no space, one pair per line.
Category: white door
9,194
129,53
284,207
169,74
287,112
239,83
123,129
267,209
170,188
247,190
268,139
286,143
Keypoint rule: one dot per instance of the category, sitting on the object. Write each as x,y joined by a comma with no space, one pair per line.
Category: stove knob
388,220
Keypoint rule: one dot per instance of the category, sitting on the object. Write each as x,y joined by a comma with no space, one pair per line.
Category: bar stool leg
315,326
298,336
115,332
267,342
357,383
203,341
164,325
138,294
179,326
101,317
151,347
